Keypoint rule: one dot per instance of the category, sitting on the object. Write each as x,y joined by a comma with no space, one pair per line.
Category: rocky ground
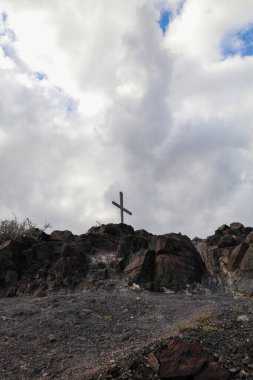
114,331
70,306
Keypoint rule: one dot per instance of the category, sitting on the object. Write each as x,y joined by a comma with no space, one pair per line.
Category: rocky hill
61,260
115,303
46,263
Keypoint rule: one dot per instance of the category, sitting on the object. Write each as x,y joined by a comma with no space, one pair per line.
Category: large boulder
188,360
169,261
177,261
181,360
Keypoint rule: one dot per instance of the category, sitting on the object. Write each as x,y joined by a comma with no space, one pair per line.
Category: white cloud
119,106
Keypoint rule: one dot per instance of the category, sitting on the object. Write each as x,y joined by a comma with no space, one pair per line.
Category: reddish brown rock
153,362
237,255
213,371
249,238
246,264
177,262
228,256
40,293
141,266
181,359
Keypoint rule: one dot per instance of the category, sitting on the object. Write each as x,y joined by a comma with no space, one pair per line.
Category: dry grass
204,319
208,329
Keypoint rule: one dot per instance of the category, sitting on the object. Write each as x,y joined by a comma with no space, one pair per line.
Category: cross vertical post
121,207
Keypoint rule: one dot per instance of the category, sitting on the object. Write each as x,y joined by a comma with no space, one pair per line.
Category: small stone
246,360
221,360
153,362
51,338
40,293
233,371
243,318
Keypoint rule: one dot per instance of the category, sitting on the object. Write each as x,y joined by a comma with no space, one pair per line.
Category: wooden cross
122,209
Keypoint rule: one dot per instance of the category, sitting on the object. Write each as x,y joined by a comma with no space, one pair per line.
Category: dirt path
72,336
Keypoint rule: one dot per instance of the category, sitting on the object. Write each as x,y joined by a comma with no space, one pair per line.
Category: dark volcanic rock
11,266
228,256
63,260
181,360
213,371
65,236
177,261
237,255
141,266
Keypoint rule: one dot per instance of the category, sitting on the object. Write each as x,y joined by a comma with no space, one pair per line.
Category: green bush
12,228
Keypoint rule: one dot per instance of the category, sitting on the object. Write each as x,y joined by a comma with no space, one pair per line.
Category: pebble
51,338
233,371
243,318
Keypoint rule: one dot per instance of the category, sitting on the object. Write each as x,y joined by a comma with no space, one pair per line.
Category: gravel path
75,336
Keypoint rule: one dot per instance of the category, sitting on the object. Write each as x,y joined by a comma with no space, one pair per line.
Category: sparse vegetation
204,319
12,228
203,323
208,329
237,310
107,318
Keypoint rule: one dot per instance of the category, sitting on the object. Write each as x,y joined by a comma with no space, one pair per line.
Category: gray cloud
121,107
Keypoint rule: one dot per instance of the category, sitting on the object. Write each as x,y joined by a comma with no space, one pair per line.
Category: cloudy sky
151,97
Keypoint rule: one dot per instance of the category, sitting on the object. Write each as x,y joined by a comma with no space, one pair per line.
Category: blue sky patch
71,105
239,43
180,6
165,18
39,75
6,31
3,16
8,51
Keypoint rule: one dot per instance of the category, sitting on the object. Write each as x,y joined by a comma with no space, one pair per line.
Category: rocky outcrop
177,261
188,360
228,255
114,251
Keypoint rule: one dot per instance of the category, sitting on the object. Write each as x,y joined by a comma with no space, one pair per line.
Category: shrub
12,228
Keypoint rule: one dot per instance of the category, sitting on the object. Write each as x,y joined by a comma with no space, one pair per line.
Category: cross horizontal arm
122,208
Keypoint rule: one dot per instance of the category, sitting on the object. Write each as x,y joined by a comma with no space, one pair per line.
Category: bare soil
81,335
